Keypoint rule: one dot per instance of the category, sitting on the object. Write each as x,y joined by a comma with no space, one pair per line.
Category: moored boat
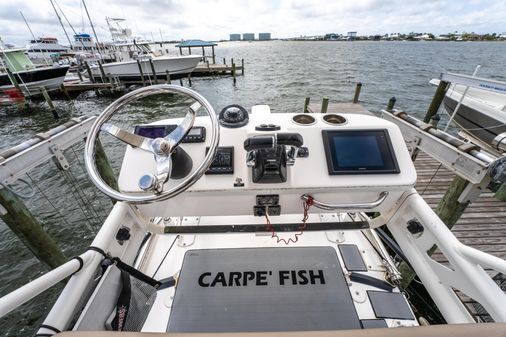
177,66
482,113
29,78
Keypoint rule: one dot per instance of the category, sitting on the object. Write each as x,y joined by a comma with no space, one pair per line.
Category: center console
346,159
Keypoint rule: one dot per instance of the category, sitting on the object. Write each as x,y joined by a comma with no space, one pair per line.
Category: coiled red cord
306,205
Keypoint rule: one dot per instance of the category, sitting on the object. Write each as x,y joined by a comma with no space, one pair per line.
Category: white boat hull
482,114
129,70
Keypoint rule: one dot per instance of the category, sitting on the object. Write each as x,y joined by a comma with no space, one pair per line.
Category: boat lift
467,160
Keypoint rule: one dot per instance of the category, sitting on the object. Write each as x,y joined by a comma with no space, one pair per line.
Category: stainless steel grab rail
329,207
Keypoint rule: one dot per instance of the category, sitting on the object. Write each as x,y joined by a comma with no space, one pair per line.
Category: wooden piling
436,100
434,121
18,218
233,72
104,167
357,92
88,70
65,91
181,82
141,72
325,105
391,104
167,74
189,79
306,104
102,72
224,61
49,101
153,70
242,67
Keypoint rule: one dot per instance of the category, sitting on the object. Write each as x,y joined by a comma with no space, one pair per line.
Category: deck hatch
389,305
262,289
352,258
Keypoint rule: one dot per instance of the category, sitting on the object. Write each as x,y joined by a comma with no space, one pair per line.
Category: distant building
248,36
264,36
331,37
235,37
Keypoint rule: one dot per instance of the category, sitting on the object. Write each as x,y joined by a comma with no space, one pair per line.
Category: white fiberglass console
361,163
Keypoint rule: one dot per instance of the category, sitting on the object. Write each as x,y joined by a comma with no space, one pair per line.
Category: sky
216,19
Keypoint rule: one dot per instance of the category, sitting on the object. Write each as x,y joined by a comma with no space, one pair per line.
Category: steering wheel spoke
161,148
128,137
176,136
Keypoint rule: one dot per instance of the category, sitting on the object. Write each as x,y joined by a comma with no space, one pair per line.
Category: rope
77,197
48,200
81,165
306,205
431,178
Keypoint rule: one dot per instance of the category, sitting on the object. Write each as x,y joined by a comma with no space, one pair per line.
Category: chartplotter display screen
359,152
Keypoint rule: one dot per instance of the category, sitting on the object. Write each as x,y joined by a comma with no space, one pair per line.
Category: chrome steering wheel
161,148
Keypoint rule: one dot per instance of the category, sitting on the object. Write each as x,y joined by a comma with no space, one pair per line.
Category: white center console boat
262,224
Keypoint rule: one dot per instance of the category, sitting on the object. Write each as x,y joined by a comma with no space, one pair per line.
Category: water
278,73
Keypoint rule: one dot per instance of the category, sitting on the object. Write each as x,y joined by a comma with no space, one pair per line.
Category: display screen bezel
389,166
222,169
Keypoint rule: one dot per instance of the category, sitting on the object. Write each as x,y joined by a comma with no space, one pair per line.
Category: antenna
92,28
61,23
34,39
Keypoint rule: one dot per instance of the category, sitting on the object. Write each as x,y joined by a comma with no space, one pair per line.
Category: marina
331,189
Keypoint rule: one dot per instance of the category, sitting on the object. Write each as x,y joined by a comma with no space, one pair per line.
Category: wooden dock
204,69
481,226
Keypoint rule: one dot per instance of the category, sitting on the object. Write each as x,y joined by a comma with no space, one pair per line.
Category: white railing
466,265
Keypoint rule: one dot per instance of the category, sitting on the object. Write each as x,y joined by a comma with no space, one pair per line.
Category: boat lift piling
25,226
391,103
306,104
49,102
88,70
167,74
141,72
153,71
356,96
102,72
439,95
234,73
325,105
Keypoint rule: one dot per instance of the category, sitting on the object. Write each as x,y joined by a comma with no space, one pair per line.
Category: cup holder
334,119
304,119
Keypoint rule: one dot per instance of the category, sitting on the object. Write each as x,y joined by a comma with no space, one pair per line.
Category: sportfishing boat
262,224
481,112
45,49
24,72
137,60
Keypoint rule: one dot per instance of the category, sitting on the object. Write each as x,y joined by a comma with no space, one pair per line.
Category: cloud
216,19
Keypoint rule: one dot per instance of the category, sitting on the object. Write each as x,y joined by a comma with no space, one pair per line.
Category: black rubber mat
262,289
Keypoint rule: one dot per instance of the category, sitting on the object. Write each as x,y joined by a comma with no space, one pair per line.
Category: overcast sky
216,19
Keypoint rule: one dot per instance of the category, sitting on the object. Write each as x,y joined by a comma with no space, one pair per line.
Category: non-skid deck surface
262,289
483,224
